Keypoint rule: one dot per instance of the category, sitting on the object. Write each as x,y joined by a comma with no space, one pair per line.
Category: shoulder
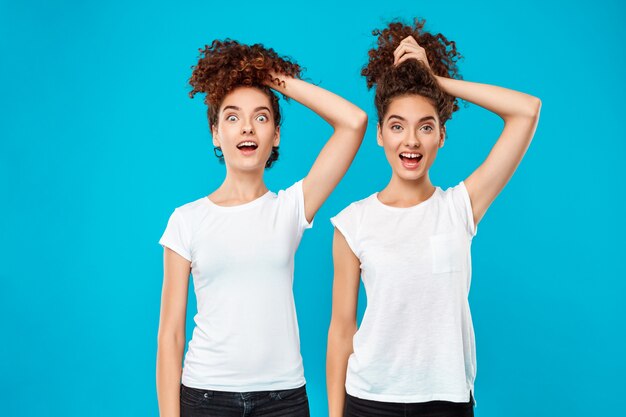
458,200
290,196
192,209
192,205
357,208
454,193
293,191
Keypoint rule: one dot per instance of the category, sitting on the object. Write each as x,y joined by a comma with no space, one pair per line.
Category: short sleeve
177,236
347,224
295,193
463,207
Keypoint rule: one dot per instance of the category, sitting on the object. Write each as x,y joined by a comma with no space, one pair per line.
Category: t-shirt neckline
415,207
238,207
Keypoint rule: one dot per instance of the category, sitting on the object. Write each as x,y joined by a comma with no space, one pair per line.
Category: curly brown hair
411,76
228,64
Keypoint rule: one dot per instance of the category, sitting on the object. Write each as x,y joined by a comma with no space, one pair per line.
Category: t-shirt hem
245,388
176,249
347,237
473,228
305,224
418,398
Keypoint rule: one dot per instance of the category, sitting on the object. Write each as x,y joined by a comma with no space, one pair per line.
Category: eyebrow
423,119
239,109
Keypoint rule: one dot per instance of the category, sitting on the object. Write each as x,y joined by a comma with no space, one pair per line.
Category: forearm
335,110
169,369
504,102
339,351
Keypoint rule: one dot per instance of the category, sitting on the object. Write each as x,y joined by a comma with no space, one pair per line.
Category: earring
217,149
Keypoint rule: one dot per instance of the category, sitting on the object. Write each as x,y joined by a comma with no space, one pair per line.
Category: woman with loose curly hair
239,243
414,352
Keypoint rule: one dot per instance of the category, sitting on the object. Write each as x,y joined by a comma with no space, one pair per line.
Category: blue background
99,142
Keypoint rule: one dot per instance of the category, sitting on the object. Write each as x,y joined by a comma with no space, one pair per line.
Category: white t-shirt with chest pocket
416,340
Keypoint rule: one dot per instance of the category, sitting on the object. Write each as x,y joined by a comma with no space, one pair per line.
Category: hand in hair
274,79
410,49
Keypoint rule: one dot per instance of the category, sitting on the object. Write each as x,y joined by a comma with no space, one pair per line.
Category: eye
427,128
232,118
396,128
262,118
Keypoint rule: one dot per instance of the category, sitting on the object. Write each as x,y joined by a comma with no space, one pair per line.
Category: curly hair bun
228,64
441,52
411,76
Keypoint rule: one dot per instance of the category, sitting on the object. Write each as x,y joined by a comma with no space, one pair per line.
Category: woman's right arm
171,339
342,323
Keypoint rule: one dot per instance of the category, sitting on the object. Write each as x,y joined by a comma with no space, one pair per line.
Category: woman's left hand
409,49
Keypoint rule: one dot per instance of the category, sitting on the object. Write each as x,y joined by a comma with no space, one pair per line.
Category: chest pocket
448,253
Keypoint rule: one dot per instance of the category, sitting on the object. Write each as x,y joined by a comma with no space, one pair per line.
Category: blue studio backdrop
99,142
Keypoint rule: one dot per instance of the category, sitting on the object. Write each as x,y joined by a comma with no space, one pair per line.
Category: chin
408,175
247,166
411,176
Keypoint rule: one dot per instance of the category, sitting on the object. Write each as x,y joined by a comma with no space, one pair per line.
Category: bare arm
171,339
349,123
520,113
343,322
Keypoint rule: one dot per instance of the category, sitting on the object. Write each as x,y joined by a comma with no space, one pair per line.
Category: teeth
410,155
246,144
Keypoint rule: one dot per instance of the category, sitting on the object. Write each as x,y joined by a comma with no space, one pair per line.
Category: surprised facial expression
245,129
411,135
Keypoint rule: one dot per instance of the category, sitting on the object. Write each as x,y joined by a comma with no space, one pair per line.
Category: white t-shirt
242,260
416,340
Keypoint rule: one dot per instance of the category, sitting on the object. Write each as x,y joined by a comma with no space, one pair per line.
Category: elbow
534,108
527,112
342,331
170,340
361,120
357,122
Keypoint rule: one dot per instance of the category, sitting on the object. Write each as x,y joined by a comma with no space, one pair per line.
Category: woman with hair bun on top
414,352
239,243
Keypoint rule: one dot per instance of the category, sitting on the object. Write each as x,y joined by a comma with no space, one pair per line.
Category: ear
215,135
442,137
379,135
276,136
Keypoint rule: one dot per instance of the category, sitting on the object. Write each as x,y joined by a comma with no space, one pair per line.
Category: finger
400,61
410,46
405,49
406,57
398,52
409,40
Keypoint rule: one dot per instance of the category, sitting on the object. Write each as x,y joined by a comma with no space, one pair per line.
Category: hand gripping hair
411,76
228,64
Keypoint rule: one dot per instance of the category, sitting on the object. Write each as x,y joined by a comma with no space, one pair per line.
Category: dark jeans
203,403
357,407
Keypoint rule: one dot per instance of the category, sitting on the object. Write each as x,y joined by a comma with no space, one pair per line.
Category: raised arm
349,123
171,338
520,113
343,322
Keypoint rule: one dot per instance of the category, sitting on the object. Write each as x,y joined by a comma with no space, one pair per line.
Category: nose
247,129
412,141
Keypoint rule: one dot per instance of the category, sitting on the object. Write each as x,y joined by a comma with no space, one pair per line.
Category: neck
406,193
239,187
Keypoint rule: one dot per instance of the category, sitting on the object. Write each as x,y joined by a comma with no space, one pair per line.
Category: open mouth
411,159
247,146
